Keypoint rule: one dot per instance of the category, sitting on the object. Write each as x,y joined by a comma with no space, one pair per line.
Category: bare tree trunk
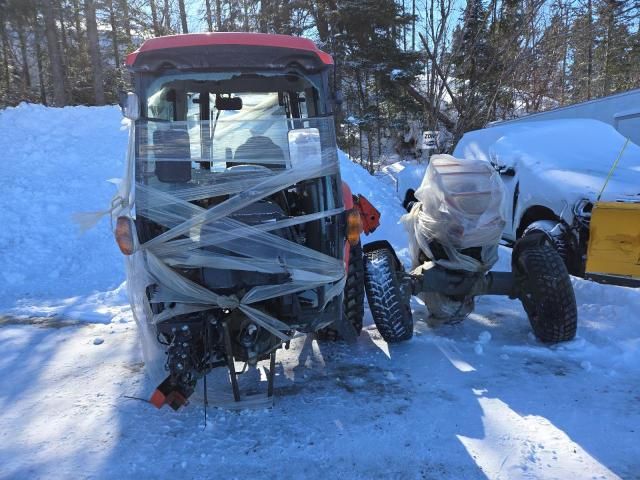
607,53
413,27
94,51
370,150
219,15
166,16
183,16
114,33
245,20
154,18
360,138
5,54
565,53
26,76
64,51
55,56
63,30
124,5
590,47
41,75
404,31
321,20
76,21
208,15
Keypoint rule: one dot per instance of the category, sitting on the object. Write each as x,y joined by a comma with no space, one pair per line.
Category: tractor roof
227,50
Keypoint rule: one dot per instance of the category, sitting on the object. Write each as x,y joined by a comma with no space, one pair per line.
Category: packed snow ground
480,399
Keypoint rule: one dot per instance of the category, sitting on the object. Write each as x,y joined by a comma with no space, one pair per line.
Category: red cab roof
229,38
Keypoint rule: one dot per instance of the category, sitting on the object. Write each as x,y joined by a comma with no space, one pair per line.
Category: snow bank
57,161
404,175
384,199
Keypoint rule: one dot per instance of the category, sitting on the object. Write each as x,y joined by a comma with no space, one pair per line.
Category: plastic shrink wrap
206,207
461,206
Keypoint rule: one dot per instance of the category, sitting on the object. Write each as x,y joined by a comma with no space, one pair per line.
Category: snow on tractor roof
228,39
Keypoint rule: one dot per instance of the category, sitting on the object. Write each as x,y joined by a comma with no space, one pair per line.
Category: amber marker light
124,235
354,226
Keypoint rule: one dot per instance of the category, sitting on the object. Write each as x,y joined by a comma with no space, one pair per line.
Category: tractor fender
369,214
347,200
347,196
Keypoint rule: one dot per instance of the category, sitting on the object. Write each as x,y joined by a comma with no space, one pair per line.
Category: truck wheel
389,307
546,293
353,301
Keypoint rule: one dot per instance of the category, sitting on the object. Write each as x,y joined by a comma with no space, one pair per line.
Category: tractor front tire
557,235
546,293
389,307
353,301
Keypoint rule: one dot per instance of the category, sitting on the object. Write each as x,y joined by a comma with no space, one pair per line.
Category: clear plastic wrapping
460,206
207,189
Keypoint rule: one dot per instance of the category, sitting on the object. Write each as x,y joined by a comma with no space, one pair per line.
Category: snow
404,175
57,163
397,73
545,151
477,399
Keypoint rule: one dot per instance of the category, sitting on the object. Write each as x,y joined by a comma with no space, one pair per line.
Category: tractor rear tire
546,293
353,301
389,307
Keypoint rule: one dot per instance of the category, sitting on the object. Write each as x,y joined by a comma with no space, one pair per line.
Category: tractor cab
237,224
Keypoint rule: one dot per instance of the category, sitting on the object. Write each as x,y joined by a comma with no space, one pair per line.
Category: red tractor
237,227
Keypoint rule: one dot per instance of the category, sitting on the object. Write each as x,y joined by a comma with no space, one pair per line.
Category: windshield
219,112
170,155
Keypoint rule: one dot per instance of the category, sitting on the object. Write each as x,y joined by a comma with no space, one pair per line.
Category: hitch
170,394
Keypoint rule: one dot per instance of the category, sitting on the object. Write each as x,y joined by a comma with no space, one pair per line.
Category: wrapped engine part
459,218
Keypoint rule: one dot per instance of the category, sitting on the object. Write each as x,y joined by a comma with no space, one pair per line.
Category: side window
161,105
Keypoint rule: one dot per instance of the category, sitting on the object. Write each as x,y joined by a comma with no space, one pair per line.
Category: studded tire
546,293
555,234
353,300
390,309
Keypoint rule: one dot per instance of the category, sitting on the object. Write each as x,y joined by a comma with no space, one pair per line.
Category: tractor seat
168,145
259,148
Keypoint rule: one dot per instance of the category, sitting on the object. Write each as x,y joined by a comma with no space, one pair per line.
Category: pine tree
470,57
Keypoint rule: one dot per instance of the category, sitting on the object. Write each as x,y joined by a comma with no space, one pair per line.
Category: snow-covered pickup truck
554,171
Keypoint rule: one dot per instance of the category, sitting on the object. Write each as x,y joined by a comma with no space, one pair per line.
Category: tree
94,51
154,16
470,58
183,16
115,43
55,55
208,16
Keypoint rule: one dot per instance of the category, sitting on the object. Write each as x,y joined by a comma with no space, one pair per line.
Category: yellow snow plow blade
614,240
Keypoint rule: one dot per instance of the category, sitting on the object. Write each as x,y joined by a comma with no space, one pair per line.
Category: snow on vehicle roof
578,152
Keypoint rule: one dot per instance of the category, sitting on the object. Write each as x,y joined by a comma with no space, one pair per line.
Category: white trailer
621,111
